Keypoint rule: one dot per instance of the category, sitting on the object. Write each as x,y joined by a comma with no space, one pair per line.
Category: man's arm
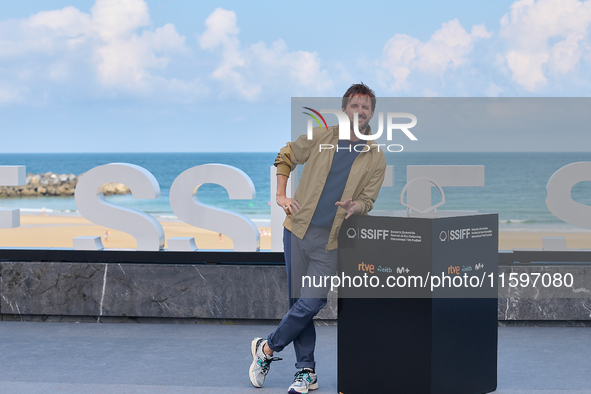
284,164
289,156
296,152
283,161
290,206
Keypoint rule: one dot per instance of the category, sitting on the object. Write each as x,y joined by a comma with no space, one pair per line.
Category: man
335,184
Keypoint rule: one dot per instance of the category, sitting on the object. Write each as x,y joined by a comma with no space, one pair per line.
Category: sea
515,183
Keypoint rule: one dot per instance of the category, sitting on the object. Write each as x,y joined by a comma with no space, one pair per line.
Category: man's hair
359,89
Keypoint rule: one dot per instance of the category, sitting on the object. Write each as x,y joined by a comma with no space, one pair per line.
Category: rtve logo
454,235
345,124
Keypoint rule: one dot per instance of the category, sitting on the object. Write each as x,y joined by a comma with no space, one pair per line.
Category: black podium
407,335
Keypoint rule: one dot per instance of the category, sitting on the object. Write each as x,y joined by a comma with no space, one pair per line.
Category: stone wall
209,291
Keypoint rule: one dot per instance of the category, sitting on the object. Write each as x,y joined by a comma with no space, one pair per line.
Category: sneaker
305,379
260,362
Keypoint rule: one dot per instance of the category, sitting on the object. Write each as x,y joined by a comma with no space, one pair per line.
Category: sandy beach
58,231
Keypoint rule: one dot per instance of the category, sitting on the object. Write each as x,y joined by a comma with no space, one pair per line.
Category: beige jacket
363,184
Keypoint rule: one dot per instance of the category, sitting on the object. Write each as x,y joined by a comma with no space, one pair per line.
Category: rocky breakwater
50,184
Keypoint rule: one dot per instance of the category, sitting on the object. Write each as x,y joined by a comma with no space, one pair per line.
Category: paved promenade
213,358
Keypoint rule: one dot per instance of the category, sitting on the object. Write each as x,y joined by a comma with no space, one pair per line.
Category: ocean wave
36,210
509,221
46,210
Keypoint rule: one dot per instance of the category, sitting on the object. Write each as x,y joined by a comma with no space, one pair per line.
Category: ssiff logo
345,124
453,235
368,233
351,233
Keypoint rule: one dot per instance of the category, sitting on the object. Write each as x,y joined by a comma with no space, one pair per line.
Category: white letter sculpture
558,194
187,207
146,230
11,176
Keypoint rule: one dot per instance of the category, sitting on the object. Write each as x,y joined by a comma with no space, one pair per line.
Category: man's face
361,105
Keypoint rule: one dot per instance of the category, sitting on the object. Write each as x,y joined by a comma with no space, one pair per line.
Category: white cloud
67,22
114,50
128,62
447,49
544,38
222,29
119,19
10,94
247,72
397,56
493,90
222,32
527,68
112,47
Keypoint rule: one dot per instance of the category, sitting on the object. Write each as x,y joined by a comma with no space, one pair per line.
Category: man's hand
289,205
350,206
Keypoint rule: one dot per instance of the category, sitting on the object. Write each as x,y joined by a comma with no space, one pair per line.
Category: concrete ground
202,358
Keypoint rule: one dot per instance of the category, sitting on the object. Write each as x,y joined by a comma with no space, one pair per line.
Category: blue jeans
304,257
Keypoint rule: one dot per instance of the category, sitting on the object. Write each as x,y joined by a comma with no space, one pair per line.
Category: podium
409,335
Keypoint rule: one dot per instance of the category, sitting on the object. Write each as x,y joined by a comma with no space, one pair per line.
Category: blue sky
155,75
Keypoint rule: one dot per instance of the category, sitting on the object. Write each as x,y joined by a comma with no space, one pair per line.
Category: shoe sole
313,386
253,351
